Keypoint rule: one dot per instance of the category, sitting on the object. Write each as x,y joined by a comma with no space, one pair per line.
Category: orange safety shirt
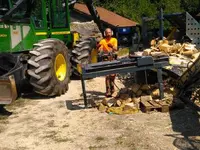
104,44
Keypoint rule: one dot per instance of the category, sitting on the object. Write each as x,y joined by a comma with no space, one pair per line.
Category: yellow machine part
123,52
93,59
76,37
171,35
94,54
79,68
60,67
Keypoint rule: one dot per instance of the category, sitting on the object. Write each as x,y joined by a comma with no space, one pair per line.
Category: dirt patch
18,104
49,124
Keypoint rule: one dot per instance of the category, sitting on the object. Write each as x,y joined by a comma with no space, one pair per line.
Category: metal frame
183,21
121,66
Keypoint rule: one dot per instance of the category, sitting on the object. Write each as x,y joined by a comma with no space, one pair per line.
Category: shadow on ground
186,123
78,78
92,98
30,94
35,96
4,112
21,101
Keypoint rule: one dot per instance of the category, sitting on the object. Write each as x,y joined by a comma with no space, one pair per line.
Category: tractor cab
4,7
13,10
25,22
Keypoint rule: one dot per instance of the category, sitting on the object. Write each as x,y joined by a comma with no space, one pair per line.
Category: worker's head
108,33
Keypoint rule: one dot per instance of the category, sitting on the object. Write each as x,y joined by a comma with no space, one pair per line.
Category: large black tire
82,51
41,67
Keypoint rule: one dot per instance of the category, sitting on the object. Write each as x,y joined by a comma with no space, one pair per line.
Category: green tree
135,9
191,6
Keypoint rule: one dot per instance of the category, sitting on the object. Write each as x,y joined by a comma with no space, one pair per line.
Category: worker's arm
100,46
114,45
114,48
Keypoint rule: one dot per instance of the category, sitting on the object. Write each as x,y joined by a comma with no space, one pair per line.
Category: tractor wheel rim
60,67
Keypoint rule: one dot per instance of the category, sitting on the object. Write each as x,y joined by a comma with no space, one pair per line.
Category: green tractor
38,49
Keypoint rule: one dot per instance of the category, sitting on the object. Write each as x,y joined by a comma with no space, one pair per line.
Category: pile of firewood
165,47
180,55
128,100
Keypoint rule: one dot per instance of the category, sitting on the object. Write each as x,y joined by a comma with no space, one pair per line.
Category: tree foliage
135,9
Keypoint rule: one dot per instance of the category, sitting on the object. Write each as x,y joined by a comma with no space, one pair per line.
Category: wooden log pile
165,47
181,55
145,97
185,51
137,98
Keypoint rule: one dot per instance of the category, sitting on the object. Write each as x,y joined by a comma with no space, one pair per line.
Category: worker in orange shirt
107,47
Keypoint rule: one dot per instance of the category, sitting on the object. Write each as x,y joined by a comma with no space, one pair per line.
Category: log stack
145,97
137,97
171,48
181,55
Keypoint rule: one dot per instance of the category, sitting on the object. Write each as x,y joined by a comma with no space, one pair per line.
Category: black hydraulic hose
94,14
13,10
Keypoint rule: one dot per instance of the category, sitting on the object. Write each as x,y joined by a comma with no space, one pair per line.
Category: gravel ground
36,123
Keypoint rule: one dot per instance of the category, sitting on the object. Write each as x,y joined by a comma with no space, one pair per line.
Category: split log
126,101
102,108
145,87
145,98
109,102
147,52
165,48
136,101
189,46
129,109
188,53
135,87
154,49
124,96
158,54
155,93
176,48
139,93
153,42
118,103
